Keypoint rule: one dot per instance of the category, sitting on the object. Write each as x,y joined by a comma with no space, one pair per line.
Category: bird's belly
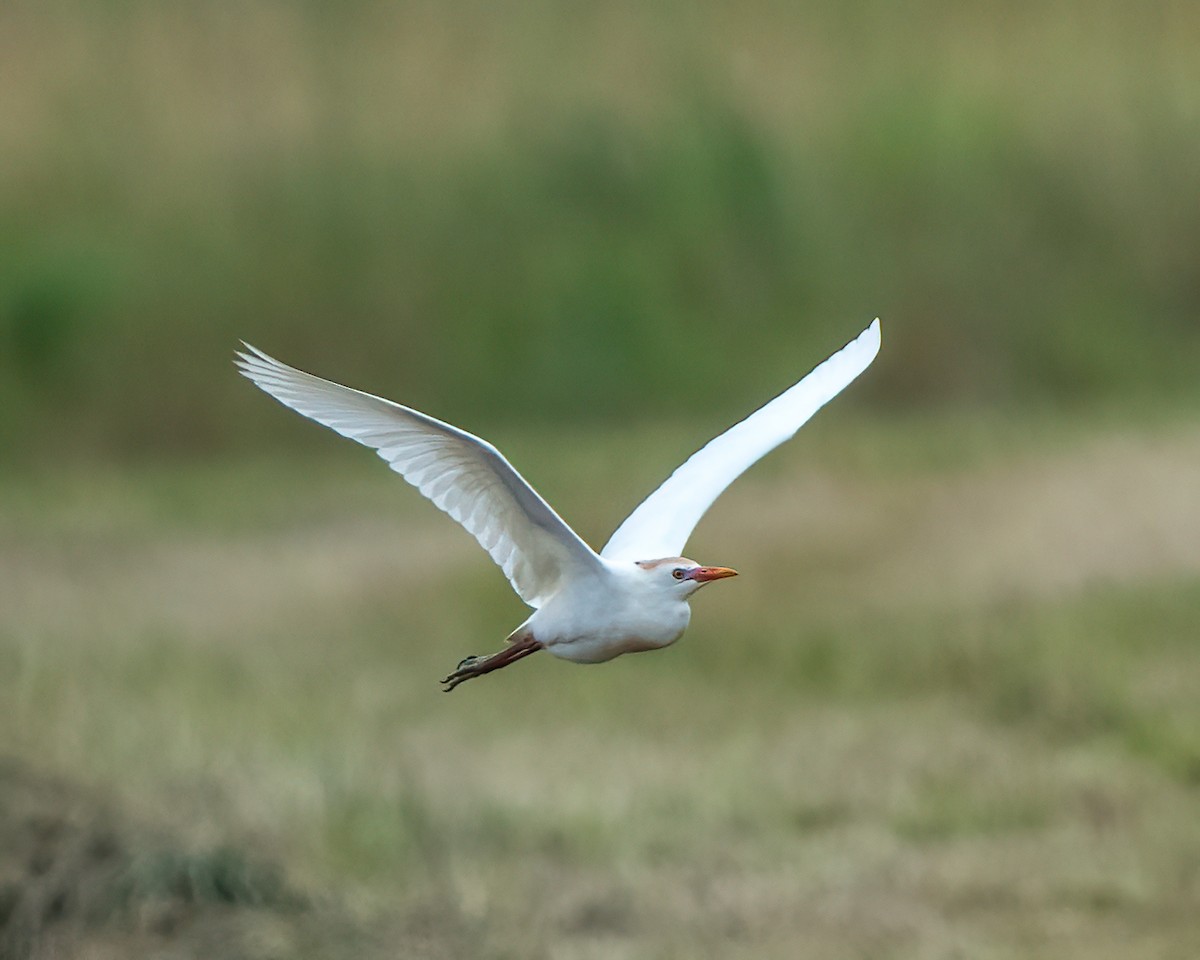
631,634
600,649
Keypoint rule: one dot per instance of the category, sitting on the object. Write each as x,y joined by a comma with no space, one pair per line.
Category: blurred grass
948,708
581,213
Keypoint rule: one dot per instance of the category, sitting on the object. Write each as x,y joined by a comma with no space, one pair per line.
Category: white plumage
588,607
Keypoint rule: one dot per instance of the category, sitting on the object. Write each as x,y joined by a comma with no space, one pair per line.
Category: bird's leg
478,666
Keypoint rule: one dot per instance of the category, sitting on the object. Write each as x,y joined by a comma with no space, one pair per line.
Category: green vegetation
566,213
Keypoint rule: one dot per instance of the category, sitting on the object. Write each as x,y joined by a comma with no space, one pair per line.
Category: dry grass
946,711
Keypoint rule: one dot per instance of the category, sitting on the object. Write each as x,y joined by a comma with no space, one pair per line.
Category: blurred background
950,708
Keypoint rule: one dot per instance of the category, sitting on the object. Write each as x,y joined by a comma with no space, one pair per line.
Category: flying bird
588,607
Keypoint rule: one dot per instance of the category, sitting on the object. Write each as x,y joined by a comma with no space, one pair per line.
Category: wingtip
872,337
246,363
252,352
866,343
252,361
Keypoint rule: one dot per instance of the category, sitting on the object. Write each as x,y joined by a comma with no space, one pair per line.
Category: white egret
588,607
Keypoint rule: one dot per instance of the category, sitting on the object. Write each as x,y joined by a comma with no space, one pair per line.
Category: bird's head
680,576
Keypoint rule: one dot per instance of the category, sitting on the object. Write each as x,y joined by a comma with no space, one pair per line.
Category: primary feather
661,525
463,475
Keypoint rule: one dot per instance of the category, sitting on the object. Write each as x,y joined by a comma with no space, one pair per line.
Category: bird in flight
588,607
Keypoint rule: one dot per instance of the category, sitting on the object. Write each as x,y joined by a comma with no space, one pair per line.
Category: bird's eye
677,573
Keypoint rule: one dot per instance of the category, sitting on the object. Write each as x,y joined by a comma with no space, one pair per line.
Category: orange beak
704,574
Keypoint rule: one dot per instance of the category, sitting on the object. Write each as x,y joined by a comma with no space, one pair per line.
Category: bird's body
596,619
588,607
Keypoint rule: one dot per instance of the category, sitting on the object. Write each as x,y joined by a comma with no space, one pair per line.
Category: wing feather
461,474
661,525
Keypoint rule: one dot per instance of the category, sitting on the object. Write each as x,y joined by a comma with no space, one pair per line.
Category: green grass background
583,213
950,707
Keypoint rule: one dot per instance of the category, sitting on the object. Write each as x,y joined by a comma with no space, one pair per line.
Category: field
948,710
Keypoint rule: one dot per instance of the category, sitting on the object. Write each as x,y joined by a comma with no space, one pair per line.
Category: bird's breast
592,632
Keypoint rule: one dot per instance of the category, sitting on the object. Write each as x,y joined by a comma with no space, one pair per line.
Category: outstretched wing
661,525
463,475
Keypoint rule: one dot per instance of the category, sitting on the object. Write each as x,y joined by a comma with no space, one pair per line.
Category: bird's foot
470,667
464,671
